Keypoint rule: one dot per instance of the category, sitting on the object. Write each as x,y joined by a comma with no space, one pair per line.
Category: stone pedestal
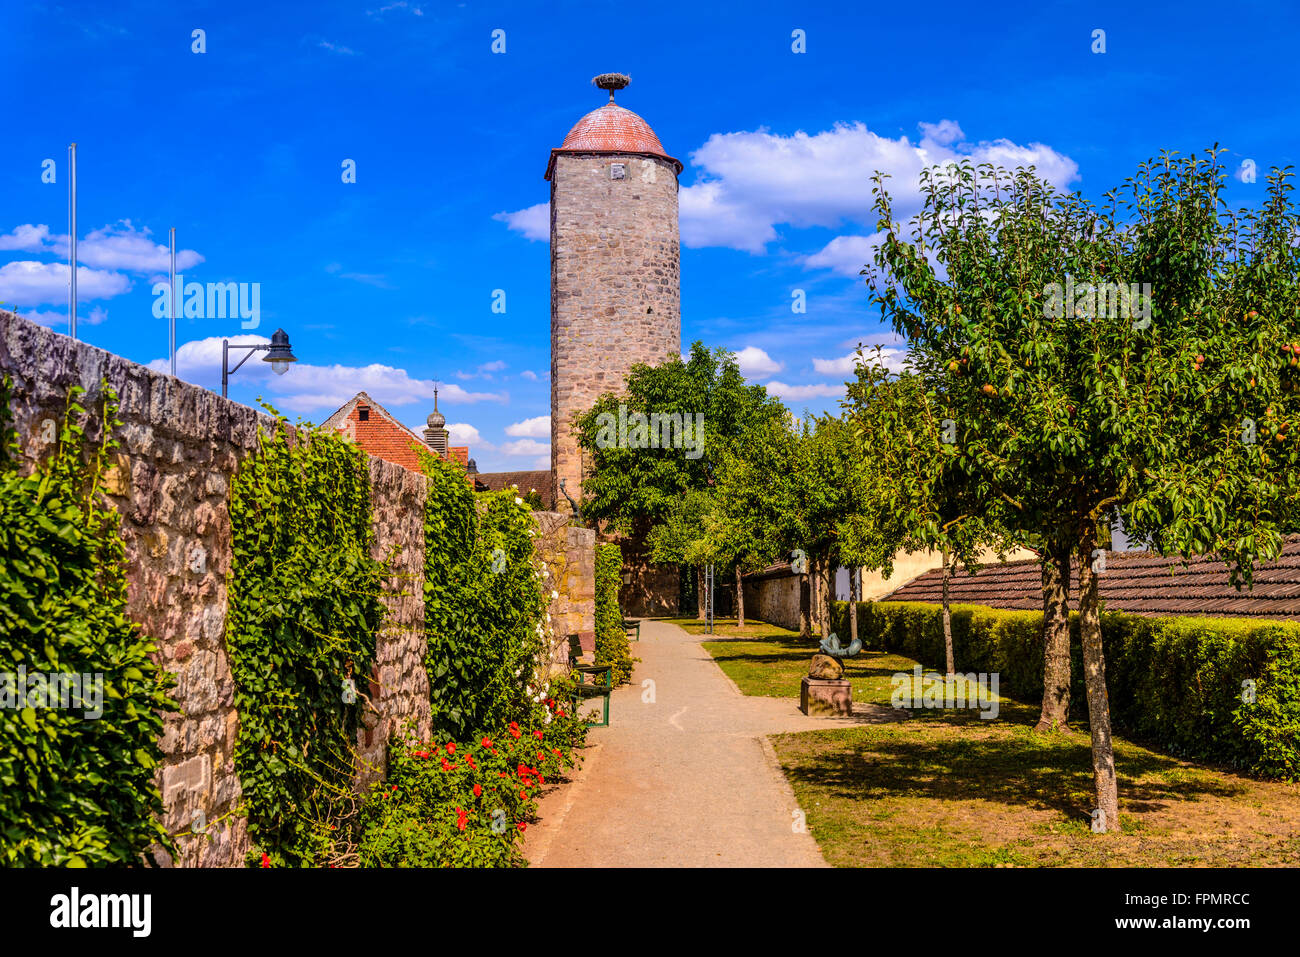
826,696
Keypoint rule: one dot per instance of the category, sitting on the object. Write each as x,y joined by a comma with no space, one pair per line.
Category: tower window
617,170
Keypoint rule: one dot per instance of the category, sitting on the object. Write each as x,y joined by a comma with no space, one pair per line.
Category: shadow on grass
942,761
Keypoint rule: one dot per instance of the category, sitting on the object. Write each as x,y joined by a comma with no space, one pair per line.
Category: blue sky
386,284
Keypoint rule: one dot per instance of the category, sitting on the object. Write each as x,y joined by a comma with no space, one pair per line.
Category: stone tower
615,266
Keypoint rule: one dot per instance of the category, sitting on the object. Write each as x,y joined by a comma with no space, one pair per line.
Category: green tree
635,482
1074,407
912,497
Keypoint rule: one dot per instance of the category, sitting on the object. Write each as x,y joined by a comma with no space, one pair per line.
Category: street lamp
277,352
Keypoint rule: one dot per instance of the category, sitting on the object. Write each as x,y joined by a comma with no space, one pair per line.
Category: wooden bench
633,628
592,681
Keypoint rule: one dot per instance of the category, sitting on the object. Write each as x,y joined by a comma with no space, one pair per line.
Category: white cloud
845,365
847,255
794,393
379,280
756,363
336,48
533,222
28,239
118,246
413,8
308,388
462,433
526,447
528,374
535,428
45,318
485,370
31,283
751,182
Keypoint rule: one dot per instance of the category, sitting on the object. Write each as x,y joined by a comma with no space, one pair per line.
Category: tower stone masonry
615,267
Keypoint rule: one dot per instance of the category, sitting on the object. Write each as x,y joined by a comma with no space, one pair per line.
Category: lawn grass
947,789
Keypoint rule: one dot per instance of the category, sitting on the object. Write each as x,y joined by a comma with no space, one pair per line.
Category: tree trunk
1056,640
1094,671
827,593
699,591
740,601
814,605
805,605
855,588
947,615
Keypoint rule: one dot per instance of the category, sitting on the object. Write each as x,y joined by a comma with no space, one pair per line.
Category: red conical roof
612,129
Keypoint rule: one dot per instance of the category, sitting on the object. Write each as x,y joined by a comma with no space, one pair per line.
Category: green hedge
1176,683
612,647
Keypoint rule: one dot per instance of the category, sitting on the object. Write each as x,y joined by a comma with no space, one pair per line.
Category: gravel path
684,776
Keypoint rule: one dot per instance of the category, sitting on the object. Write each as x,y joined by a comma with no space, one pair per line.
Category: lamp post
277,352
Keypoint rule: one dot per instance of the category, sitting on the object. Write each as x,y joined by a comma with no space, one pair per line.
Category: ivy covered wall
170,481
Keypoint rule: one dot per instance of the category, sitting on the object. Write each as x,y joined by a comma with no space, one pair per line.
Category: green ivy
612,646
484,604
75,790
304,611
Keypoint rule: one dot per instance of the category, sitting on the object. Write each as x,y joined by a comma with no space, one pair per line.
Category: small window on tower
617,170
363,414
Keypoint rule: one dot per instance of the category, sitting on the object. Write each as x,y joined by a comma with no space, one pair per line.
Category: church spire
435,436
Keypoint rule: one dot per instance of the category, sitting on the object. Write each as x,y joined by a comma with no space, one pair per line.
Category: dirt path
684,775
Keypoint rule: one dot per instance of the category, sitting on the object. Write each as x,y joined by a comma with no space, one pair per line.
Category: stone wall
615,287
773,598
649,590
569,555
180,446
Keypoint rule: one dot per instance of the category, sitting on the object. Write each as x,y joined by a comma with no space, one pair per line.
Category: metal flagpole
72,239
171,342
708,599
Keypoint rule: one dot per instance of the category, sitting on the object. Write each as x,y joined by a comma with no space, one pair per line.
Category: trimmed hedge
1176,683
612,647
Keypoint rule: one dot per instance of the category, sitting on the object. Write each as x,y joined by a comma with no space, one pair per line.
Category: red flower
487,742
461,818
266,861
556,752
559,714
540,756
514,729
538,734
451,747
522,826
446,766
469,759
523,795
478,790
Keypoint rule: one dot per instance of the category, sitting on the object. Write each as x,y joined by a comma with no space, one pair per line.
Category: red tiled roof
383,436
1136,582
612,129
524,481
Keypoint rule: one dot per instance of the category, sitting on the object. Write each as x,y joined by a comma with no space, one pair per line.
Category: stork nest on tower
611,82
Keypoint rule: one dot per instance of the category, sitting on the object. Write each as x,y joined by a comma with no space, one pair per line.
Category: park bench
591,681
633,628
